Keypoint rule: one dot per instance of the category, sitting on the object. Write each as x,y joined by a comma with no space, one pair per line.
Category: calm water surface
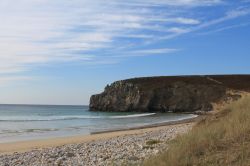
26,122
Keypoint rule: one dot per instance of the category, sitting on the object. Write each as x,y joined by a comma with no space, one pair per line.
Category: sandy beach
100,149
23,146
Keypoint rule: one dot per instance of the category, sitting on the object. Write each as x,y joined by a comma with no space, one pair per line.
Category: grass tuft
220,139
152,142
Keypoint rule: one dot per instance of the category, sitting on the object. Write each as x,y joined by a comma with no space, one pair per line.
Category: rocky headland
174,93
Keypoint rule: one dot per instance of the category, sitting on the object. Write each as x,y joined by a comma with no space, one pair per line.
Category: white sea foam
55,118
27,131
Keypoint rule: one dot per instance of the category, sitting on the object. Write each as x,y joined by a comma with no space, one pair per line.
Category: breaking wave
56,118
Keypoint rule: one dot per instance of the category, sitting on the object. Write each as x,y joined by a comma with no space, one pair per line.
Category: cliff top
170,93
236,82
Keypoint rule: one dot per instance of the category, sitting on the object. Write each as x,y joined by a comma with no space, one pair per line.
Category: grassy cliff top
235,82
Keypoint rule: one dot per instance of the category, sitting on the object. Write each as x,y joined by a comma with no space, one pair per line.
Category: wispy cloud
178,30
181,20
225,28
185,3
147,52
232,14
36,32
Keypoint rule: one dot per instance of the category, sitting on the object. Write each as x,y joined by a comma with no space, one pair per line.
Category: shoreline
173,122
39,144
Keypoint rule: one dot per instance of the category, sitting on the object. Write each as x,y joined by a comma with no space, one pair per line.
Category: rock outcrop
177,94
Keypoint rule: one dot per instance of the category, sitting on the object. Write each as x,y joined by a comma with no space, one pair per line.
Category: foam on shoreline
24,146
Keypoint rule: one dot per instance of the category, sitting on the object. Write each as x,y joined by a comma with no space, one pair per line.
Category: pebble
121,150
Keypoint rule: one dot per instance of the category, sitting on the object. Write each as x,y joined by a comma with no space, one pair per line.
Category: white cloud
232,14
147,52
225,28
177,30
182,20
183,3
179,20
36,32
229,15
154,51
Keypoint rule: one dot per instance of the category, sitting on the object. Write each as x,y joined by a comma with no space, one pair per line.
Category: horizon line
44,104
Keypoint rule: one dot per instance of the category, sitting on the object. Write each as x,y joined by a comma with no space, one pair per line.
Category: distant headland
171,93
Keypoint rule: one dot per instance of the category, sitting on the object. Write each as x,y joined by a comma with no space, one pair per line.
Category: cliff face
177,94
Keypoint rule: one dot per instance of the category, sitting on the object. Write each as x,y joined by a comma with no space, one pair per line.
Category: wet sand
23,146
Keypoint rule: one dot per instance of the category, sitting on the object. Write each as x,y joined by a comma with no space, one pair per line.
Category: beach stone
59,161
128,149
70,154
134,158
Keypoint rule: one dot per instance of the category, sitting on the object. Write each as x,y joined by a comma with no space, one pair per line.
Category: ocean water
27,122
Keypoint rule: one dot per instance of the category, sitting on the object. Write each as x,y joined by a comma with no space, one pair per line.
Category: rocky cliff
177,94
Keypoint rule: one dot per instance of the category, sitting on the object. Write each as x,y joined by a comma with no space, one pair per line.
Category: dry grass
152,142
220,139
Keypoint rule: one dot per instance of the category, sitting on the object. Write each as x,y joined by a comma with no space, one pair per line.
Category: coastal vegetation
152,142
222,138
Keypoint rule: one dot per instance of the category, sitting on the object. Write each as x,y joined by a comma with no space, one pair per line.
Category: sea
31,122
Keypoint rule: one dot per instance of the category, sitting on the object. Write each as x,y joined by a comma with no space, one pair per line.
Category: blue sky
61,52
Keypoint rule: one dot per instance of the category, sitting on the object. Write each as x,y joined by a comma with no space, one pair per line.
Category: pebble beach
126,148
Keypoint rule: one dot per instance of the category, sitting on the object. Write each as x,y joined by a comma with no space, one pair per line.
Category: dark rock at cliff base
176,93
